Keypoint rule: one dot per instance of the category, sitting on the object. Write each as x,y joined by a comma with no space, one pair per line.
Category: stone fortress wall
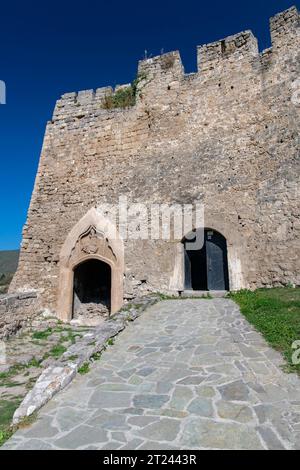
227,135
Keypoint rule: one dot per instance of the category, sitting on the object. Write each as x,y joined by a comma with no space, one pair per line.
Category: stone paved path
187,374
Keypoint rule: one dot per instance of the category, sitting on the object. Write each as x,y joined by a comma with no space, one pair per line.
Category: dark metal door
216,253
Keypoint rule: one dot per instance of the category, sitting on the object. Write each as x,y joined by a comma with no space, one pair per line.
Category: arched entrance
91,258
205,266
91,289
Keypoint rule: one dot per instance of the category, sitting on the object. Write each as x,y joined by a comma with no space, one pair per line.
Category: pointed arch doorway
206,266
91,267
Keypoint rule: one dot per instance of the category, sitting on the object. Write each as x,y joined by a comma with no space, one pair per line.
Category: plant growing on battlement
167,61
124,97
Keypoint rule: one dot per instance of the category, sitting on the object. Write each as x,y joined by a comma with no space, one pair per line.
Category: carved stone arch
93,237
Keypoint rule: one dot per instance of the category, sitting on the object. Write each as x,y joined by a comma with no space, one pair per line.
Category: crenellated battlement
284,26
168,63
243,45
227,55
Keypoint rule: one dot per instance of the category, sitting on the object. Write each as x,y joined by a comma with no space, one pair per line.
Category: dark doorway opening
92,285
206,268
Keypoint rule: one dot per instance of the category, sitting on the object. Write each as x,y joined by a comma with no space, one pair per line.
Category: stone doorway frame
206,279
93,237
235,248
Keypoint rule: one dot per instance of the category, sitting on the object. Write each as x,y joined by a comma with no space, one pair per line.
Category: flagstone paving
187,374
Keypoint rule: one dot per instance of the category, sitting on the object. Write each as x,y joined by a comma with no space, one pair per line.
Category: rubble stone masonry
226,136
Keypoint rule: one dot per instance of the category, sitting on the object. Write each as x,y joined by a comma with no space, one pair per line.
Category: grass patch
130,306
5,434
84,369
7,378
42,334
61,328
14,370
10,384
6,429
57,351
110,342
71,358
7,409
162,296
33,363
276,314
126,307
96,356
71,336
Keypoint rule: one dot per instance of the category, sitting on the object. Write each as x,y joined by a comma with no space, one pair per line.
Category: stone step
204,293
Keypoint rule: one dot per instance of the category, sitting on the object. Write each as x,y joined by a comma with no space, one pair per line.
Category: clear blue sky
49,48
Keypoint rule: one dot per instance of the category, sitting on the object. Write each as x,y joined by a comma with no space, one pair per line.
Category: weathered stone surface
16,310
68,417
201,406
191,380
164,430
181,396
199,433
234,411
270,438
235,125
108,421
42,430
50,382
150,401
82,436
234,391
110,400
